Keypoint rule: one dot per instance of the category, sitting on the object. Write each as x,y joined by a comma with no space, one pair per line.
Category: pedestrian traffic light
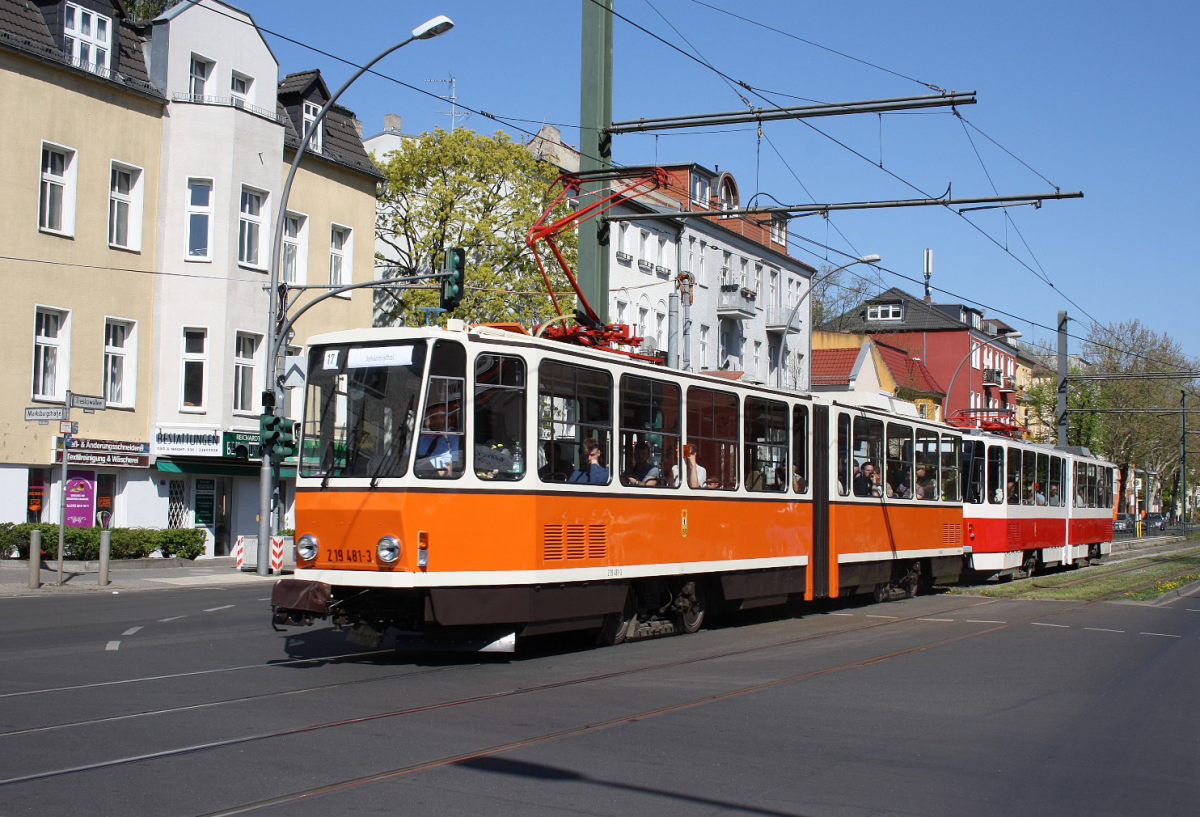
268,431
455,281
285,443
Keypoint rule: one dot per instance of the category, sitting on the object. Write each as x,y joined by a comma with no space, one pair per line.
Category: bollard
35,559
105,549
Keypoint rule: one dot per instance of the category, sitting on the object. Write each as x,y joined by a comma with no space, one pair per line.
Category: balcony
736,302
645,266
624,257
991,377
1008,384
662,272
777,319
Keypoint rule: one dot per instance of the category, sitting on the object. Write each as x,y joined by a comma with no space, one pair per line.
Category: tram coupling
295,602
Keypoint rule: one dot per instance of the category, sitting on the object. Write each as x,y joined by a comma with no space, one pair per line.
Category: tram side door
820,486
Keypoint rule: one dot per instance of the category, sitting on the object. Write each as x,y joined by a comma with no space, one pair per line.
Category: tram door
820,486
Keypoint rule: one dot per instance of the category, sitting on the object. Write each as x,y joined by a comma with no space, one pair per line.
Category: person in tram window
695,473
1014,497
866,483
642,472
591,470
558,465
1054,500
437,449
798,483
1038,497
924,489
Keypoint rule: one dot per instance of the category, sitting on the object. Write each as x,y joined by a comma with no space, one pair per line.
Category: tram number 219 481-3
350,555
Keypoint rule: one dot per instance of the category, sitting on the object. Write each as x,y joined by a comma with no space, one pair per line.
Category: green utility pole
595,144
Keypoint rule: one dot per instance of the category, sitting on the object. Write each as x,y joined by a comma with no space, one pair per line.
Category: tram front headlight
306,547
388,549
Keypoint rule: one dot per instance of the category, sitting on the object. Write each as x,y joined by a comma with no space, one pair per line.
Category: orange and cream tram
1029,506
484,482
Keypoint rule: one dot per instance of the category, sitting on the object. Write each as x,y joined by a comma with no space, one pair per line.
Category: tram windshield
360,409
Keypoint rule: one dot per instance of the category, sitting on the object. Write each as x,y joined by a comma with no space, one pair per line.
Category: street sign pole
62,491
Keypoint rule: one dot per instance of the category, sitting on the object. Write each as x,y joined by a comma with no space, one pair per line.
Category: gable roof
918,316
833,367
341,144
908,372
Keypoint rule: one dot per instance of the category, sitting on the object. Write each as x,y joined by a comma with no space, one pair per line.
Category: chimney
358,127
928,274
391,122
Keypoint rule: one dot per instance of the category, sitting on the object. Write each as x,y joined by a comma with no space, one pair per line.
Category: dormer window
779,231
727,197
700,190
311,109
87,37
884,312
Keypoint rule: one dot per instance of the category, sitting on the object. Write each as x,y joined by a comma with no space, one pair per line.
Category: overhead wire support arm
852,205
904,103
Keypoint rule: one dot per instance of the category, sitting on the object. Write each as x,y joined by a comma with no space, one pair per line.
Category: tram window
1080,485
927,465
800,449
440,446
1042,480
1054,495
1091,483
995,474
499,417
973,457
766,445
649,431
1028,475
899,470
868,456
574,411
712,439
1013,484
951,445
843,454
360,409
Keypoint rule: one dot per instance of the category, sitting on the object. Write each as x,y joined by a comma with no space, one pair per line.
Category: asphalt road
184,702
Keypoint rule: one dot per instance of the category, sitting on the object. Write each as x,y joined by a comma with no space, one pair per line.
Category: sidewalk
125,576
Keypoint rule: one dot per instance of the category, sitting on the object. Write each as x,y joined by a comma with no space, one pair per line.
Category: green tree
143,10
482,193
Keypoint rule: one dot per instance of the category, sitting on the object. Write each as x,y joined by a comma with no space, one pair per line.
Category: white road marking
1045,624
172,618
841,614
984,621
215,609
935,619
268,598
1162,635
1102,630
891,617
131,631
1190,610
113,645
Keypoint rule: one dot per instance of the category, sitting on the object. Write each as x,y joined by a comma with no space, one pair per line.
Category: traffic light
455,281
269,428
285,443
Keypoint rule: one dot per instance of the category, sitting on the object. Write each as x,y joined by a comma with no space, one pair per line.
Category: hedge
83,544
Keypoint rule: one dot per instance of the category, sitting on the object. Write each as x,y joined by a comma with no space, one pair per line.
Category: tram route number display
349,555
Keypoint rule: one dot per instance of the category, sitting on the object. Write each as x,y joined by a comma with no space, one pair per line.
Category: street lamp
866,259
266,482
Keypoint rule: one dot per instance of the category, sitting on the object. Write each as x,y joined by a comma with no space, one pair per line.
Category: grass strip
1105,580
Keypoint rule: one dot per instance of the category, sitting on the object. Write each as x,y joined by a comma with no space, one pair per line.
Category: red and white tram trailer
481,483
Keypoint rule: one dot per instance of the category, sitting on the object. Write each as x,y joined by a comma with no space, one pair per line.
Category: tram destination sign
44,413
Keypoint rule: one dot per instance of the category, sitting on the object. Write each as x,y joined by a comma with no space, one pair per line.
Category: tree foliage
142,10
835,295
482,193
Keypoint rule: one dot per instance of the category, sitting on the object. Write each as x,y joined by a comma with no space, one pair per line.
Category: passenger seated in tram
592,469
642,472
1014,496
696,475
925,487
799,485
1036,494
438,451
866,483
1054,497
557,466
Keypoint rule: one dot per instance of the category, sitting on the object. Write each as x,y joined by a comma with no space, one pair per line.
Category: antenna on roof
451,98
928,274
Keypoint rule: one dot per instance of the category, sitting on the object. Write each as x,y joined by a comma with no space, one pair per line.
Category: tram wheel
618,627
1029,566
690,603
881,593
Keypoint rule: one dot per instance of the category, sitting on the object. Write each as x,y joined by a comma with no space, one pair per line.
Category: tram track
242,740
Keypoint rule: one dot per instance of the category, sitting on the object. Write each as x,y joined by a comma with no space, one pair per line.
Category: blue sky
1095,96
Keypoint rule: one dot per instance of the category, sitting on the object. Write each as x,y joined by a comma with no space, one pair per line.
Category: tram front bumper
294,601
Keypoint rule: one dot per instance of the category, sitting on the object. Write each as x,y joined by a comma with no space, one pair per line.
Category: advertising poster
81,498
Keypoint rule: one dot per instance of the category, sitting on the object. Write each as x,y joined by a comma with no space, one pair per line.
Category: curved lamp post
992,342
866,259
266,483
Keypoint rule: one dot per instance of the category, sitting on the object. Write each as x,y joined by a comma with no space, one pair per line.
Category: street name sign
41,413
87,402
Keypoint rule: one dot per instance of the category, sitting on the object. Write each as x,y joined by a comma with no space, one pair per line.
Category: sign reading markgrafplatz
117,453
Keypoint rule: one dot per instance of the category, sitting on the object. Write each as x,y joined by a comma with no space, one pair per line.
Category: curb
120,564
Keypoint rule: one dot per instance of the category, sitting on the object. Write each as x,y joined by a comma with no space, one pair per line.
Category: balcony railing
229,102
646,266
624,257
991,377
736,302
1008,384
778,316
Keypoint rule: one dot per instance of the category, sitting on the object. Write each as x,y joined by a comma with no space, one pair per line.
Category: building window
199,219
884,312
50,354
195,360
56,201
311,109
239,88
700,190
663,254
703,346
779,231
250,227
295,256
87,37
125,207
244,349
975,355
120,367
201,70
339,255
